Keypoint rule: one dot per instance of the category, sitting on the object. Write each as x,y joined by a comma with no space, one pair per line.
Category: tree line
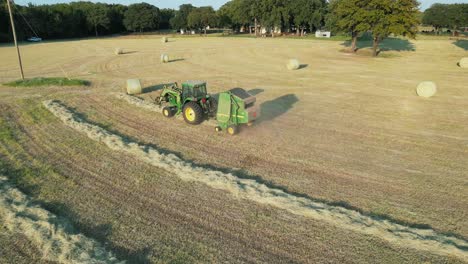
381,18
452,16
82,19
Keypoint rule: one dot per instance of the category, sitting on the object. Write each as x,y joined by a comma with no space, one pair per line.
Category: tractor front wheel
193,113
232,130
168,112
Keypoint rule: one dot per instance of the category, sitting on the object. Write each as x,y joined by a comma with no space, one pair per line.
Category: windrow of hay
139,102
54,237
249,189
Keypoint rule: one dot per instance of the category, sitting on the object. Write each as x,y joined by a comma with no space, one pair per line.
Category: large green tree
180,19
436,16
385,17
236,13
349,16
457,16
450,16
141,17
275,14
98,16
202,17
307,14
166,16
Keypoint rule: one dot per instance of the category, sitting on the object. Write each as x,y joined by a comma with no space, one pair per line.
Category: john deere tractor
192,101
236,107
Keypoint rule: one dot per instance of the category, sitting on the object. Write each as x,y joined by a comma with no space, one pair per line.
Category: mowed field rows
347,130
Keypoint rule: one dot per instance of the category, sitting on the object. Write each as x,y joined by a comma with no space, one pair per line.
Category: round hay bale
164,40
134,86
164,58
118,51
426,89
293,65
463,63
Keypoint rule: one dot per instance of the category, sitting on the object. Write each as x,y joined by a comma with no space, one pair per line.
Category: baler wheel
232,130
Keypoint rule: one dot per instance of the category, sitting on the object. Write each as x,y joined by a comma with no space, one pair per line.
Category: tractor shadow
273,109
154,88
388,44
461,44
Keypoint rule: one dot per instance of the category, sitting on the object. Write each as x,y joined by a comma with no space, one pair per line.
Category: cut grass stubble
53,236
420,239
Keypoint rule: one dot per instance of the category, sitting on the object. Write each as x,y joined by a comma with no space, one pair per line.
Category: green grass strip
42,81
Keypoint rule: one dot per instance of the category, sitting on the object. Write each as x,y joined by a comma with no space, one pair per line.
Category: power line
25,20
14,38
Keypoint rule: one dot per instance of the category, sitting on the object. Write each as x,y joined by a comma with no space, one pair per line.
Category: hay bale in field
293,65
164,58
463,63
134,86
164,39
118,51
426,89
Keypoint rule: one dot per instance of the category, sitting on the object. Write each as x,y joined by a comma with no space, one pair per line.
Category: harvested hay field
347,131
52,237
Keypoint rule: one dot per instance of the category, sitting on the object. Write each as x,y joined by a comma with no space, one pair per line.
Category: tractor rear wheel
193,113
232,130
168,112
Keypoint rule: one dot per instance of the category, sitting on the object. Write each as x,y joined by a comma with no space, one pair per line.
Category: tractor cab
194,90
191,100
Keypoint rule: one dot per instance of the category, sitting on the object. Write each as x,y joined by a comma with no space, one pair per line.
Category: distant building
322,34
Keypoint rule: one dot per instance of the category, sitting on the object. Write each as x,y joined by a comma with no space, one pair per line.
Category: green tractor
236,107
191,100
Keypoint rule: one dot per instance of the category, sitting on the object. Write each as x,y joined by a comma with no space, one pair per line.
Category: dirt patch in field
420,239
54,237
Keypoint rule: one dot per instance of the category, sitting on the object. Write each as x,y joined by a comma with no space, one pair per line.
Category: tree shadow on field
270,110
388,44
461,44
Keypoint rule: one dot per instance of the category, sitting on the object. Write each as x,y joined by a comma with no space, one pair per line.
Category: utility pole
14,38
